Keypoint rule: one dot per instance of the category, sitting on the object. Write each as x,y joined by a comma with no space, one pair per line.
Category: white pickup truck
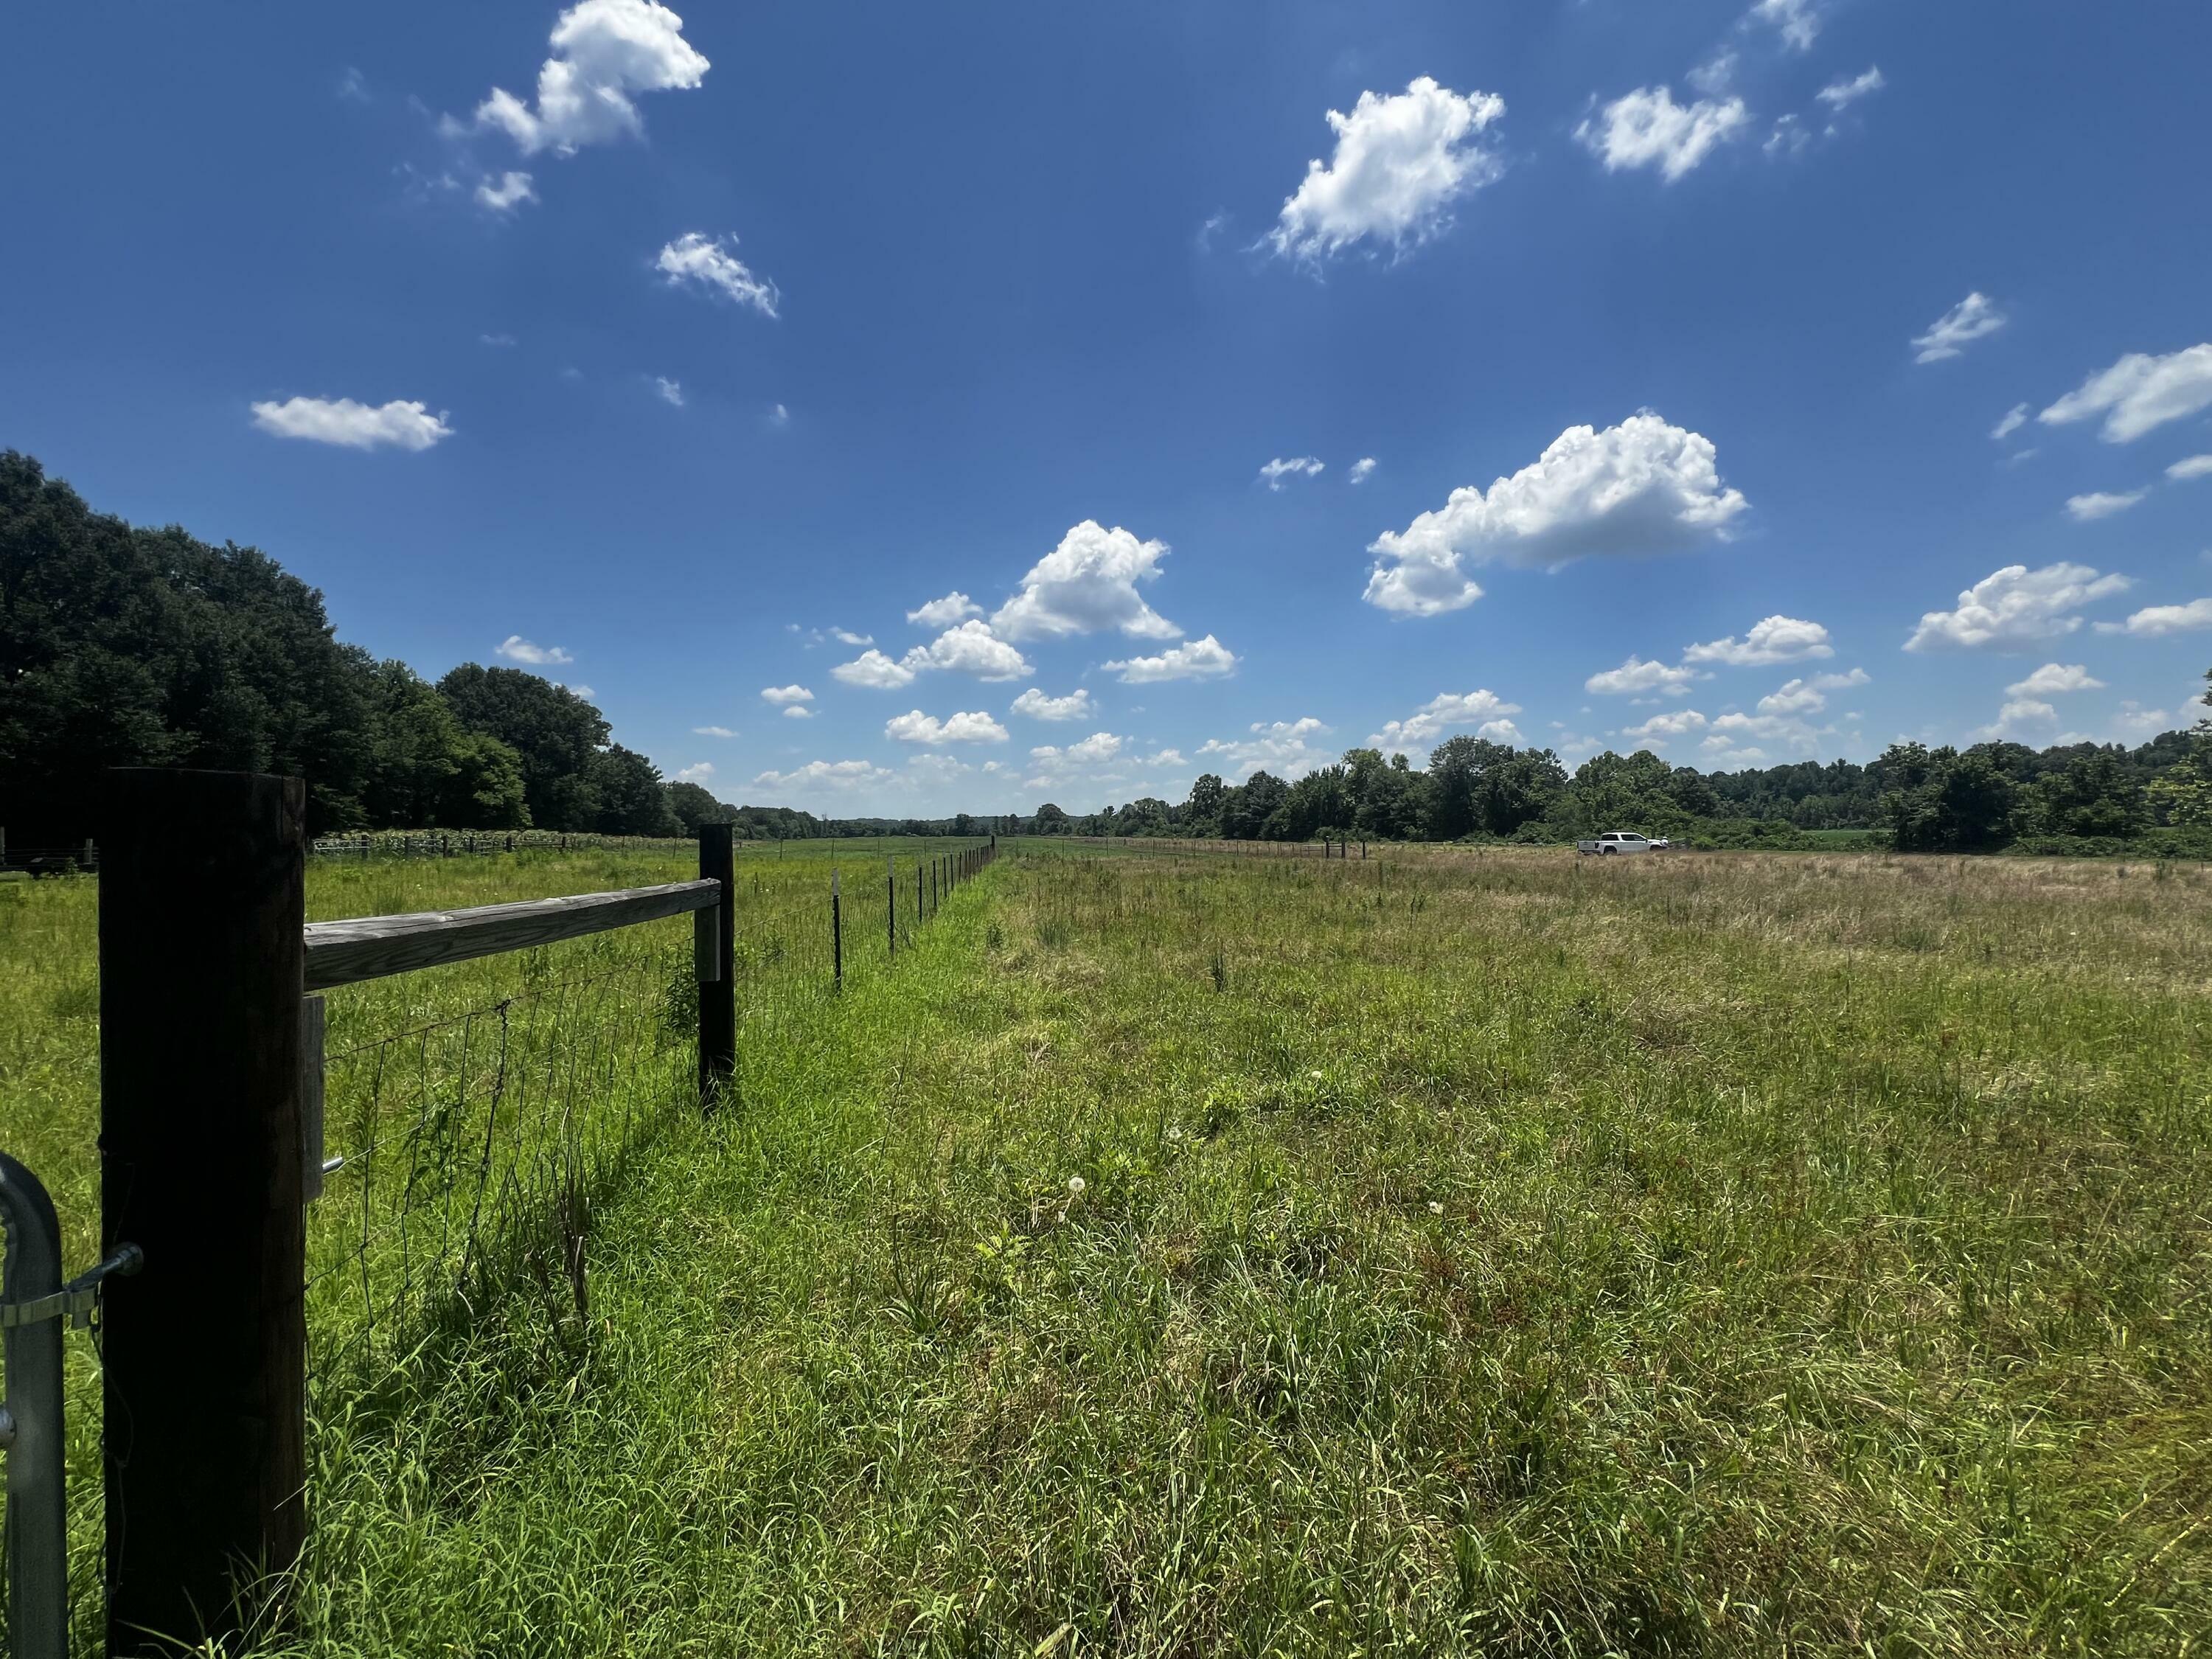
1621,840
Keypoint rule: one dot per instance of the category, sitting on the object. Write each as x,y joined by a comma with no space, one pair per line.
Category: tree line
1915,798
124,645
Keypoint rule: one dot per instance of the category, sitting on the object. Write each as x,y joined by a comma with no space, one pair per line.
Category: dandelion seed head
1075,1185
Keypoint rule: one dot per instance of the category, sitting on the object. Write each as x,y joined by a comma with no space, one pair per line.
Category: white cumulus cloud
2139,392
2016,714
1637,679
785,694
511,191
1283,748
1730,732
713,731
1301,466
1033,703
1641,487
798,711
1965,322
697,772
875,670
397,424
713,267
1797,21
1087,585
2101,504
2011,609
970,647
2052,678
1646,128
1808,693
1098,749
515,648
1361,470
2195,467
1445,712
915,727
668,390
2154,621
1661,729
1193,659
1841,95
955,606
2014,418
604,52
839,776
1401,160
1769,641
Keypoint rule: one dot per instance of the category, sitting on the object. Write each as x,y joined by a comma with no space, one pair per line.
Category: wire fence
479,1112
483,843
475,1144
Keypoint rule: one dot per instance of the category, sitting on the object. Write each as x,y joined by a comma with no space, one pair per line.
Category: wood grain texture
372,947
201,1146
718,993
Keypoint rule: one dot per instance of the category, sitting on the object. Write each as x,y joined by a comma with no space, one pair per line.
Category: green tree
1146,817
1625,792
121,646
694,806
1201,813
631,799
1960,802
425,768
1246,809
1520,787
557,734
2091,795
2182,794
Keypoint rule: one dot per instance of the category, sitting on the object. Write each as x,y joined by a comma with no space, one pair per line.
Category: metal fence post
717,967
202,902
38,1518
837,933
890,902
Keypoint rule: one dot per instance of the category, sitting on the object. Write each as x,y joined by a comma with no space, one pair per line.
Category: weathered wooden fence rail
208,1156
212,1041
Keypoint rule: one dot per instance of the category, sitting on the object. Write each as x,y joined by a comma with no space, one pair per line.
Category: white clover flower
1315,1076
1435,1208
1175,1132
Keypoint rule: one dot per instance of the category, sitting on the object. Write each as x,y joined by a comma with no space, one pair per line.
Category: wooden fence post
891,902
204,1378
718,990
837,933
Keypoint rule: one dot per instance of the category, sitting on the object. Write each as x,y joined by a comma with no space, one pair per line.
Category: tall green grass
1464,1251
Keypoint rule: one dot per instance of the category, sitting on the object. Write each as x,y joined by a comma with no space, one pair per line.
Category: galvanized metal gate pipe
31,1422
34,1307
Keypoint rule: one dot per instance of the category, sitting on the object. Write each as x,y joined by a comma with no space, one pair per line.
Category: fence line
323,1167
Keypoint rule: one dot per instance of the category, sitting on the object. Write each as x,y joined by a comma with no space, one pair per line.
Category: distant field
1467,1250
1839,841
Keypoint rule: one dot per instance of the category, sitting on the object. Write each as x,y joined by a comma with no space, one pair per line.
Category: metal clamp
76,1300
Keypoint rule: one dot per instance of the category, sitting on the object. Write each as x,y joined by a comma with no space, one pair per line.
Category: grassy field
1462,1251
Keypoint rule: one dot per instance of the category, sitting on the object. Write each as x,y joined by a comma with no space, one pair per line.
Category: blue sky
689,359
